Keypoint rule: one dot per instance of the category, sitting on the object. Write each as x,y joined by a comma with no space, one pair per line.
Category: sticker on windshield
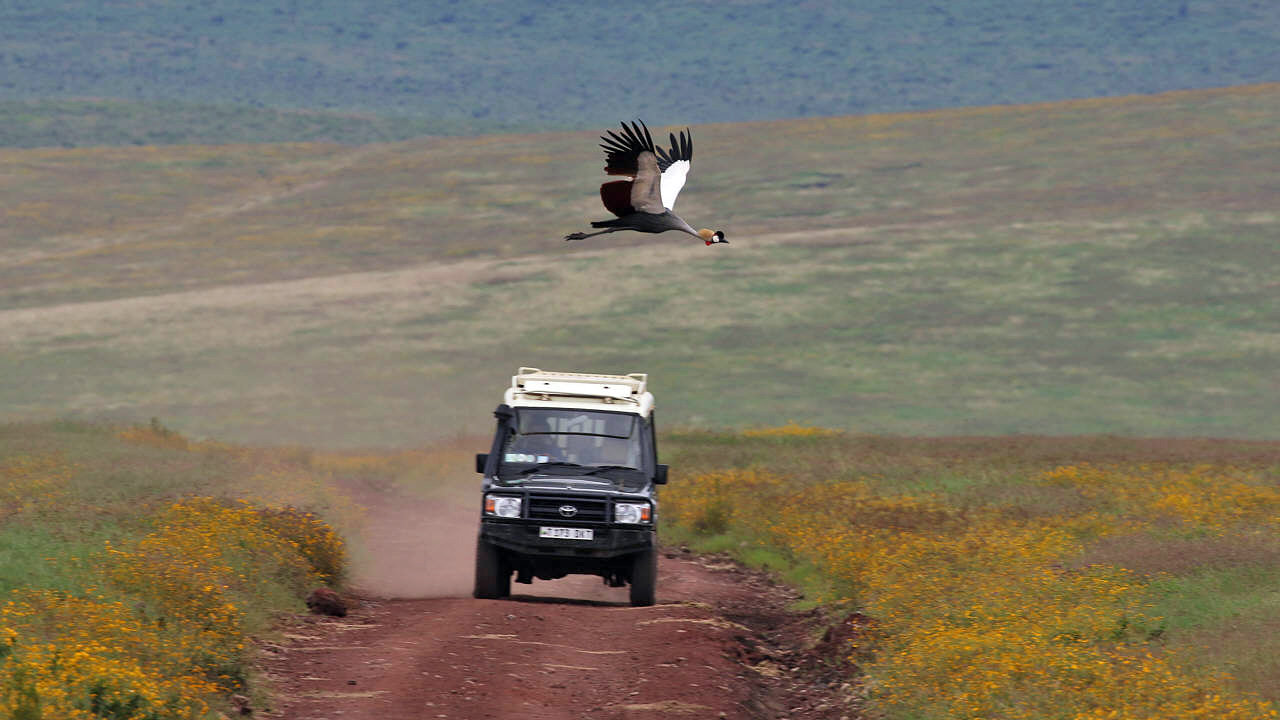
525,458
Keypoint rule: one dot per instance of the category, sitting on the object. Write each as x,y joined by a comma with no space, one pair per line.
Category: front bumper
521,537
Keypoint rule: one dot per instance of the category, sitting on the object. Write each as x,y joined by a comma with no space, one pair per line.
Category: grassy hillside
481,67
83,123
1093,266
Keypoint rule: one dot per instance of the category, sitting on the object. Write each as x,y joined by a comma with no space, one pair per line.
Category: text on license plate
563,533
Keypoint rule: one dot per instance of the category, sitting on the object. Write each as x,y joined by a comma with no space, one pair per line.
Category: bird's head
710,237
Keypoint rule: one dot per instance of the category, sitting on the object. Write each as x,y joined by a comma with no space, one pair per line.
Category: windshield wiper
543,466
597,468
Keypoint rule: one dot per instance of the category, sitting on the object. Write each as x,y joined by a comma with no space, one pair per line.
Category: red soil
720,643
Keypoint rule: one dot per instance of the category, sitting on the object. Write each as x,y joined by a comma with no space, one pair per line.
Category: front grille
547,507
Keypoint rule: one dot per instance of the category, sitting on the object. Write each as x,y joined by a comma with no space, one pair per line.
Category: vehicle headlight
502,506
632,513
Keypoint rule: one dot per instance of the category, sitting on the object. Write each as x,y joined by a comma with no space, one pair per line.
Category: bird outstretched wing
621,150
675,166
622,157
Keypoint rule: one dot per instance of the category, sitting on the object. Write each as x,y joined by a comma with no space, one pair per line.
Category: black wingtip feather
622,147
648,139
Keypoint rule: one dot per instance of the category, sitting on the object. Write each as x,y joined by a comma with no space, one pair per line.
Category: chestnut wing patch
616,196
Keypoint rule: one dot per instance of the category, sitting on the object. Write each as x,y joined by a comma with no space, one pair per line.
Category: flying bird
644,200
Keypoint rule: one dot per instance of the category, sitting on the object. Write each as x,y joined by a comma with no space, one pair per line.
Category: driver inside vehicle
614,452
577,449
538,448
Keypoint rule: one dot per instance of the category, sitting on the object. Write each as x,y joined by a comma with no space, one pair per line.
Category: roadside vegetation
1011,577
136,567
1027,577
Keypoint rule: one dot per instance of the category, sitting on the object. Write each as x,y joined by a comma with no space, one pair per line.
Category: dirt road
720,643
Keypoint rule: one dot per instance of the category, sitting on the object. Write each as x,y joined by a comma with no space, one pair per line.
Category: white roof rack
533,384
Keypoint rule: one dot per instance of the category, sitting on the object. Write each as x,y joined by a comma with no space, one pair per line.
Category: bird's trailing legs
580,236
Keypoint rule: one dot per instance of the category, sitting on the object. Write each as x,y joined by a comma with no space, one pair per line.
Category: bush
143,607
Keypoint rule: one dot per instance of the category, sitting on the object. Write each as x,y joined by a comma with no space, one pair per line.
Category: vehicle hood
590,483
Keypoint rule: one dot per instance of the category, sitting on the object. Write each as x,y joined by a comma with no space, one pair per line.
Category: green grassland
136,567
1103,266
114,481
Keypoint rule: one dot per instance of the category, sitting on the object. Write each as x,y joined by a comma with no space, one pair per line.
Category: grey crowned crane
644,200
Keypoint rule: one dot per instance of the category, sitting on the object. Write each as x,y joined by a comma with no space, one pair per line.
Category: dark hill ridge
452,67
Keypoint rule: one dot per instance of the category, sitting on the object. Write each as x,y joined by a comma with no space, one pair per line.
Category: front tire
644,578
493,577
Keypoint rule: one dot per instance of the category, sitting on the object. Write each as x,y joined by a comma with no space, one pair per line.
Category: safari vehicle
569,484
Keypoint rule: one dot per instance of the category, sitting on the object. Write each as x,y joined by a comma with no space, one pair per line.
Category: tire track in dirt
720,643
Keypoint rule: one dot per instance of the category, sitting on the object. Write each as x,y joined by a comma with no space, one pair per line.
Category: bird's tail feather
605,223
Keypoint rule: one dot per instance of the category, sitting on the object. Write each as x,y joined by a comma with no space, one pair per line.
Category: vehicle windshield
564,439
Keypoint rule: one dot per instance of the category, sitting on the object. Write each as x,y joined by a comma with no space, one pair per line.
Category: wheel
644,578
493,577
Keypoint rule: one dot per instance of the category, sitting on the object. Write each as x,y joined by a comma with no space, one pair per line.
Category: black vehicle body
554,502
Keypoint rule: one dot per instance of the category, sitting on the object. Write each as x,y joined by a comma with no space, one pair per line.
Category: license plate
567,533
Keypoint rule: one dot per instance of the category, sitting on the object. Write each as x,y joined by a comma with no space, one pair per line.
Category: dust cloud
417,536
419,515
415,550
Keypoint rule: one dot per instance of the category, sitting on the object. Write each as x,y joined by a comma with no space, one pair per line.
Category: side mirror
482,459
660,477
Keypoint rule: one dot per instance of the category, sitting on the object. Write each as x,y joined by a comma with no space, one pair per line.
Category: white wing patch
672,181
